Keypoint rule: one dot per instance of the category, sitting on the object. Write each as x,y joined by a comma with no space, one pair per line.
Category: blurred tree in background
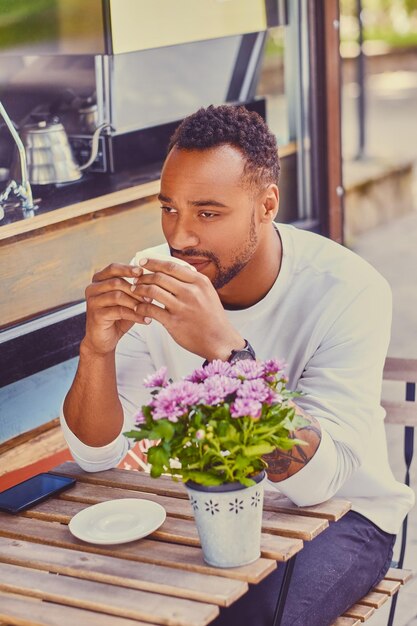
393,22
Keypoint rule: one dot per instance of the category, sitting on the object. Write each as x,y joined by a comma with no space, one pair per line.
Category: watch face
240,355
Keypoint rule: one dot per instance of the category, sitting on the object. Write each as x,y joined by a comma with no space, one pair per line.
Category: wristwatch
247,352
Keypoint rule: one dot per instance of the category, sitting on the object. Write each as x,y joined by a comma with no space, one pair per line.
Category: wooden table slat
141,481
23,611
111,570
181,557
332,510
299,526
104,598
279,548
88,493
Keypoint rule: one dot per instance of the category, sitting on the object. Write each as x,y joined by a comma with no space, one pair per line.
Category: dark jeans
331,573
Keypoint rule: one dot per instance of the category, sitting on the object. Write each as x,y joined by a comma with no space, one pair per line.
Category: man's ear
270,203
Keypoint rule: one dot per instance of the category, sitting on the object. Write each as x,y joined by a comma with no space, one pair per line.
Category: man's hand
110,307
192,314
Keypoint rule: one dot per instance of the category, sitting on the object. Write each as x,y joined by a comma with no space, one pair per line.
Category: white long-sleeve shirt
328,315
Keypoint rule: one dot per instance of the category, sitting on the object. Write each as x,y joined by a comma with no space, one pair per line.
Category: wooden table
161,579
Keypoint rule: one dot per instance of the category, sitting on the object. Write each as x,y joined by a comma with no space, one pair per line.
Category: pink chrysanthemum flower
273,366
211,369
247,369
218,387
158,379
273,369
139,418
218,367
254,390
246,407
197,376
274,397
177,399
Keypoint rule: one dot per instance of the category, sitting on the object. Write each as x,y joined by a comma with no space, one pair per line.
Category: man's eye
208,214
168,210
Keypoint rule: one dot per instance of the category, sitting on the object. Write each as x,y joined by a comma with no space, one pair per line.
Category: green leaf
221,412
294,422
158,456
156,471
165,429
242,462
248,482
259,449
137,435
146,411
204,478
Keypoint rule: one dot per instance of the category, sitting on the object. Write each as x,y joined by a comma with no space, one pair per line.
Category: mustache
194,253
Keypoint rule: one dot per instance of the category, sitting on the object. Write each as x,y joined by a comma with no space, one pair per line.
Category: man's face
209,216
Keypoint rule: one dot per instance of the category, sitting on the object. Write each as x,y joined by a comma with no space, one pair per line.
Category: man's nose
183,235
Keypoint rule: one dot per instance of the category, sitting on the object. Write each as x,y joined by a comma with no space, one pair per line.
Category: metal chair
402,412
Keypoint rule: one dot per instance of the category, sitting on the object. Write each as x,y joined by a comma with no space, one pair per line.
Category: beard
224,274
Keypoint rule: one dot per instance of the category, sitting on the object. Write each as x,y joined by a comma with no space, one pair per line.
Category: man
265,289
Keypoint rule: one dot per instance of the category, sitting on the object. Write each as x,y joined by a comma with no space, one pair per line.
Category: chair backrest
401,411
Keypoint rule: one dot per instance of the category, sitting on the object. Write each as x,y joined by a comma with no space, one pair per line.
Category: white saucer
117,521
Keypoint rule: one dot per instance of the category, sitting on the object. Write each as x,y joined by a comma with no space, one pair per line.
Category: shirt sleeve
93,459
341,388
133,363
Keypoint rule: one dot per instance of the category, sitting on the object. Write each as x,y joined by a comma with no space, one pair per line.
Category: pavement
392,249
390,114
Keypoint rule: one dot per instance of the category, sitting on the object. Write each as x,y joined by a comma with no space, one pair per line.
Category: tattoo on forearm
284,463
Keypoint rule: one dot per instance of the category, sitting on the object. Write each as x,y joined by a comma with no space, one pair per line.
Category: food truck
90,94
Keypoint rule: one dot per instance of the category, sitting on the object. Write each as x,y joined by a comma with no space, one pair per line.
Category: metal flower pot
229,521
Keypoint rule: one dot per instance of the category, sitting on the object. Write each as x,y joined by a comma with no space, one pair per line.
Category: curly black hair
234,125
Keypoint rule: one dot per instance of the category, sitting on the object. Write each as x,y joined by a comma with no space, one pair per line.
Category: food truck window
284,84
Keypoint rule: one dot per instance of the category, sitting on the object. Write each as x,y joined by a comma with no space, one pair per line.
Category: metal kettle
49,156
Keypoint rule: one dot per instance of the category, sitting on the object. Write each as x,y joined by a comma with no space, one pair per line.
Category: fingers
170,268
117,312
150,292
146,312
160,281
117,270
175,282
113,298
111,284
117,305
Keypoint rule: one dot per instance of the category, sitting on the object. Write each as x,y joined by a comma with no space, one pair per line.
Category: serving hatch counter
47,260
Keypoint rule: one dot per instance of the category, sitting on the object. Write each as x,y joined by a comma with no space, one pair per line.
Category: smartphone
32,491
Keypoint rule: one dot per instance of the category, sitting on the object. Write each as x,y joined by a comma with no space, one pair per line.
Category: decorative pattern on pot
229,521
